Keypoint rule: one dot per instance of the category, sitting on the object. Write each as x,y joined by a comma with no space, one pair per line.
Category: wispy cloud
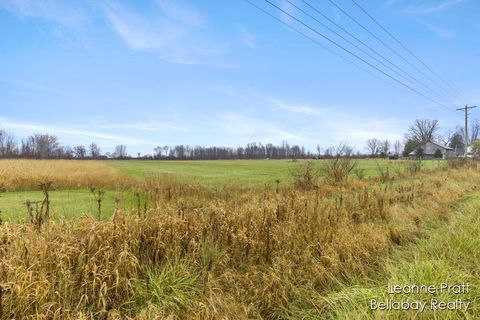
444,5
30,128
247,38
65,13
321,124
144,126
295,108
388,3
443,33
181,13
247,129
68,21
173,32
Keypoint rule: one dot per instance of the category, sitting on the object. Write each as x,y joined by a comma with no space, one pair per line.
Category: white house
431,147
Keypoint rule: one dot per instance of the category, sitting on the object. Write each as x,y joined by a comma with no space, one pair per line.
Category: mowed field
246,172
223,240
71,197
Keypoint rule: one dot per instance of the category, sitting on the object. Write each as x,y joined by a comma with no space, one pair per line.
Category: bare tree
158,152
80,152
94,150
475,130
373,146
40,146
423,131
385,146
8,145
397,147
120,151
457,141
446,138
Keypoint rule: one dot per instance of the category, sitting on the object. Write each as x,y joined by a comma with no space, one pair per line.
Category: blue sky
160,72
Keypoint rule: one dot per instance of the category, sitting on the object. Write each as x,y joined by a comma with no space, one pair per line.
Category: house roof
435,144
441,146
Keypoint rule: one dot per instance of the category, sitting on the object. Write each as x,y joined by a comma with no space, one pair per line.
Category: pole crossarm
465,109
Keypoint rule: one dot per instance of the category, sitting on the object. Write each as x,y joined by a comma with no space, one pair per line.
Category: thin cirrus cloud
144,126
174,33
247,38
324,127
30,128
443,33
247,129
444,5
63,13
295,108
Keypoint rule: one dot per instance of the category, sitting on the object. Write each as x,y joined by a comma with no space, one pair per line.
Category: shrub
306,177
419,153
384,172
338,168
414,166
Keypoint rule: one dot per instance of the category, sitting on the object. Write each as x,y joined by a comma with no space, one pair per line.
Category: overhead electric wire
357,57
381,41
353,44
315,41
406,49
418,82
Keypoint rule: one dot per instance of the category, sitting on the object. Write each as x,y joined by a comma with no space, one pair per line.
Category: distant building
430,148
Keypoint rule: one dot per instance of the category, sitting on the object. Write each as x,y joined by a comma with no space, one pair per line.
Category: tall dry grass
217,254
16,175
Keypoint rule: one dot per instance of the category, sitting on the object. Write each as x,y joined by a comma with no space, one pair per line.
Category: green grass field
65,204
68,204
448,254
243,172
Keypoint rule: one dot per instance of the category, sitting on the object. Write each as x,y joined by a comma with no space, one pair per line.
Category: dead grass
231,253
16,175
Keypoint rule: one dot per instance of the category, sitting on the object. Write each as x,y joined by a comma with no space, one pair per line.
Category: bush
306,177
438,154
414,166
340,166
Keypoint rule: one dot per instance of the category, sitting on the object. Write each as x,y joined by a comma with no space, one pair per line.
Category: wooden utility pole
465,109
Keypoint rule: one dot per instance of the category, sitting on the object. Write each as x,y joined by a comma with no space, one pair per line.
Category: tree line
44,146
421,132
47,146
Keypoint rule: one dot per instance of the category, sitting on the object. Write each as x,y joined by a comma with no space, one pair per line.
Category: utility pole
465,109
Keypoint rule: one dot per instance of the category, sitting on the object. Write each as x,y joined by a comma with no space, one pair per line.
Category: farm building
430,148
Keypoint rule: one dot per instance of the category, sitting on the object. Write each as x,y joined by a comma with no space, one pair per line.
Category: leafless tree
423,131
385,146
94,151
397,147
373,146
475,130
457,141
80,152
446,138
158,152
40,146
120,151
8,145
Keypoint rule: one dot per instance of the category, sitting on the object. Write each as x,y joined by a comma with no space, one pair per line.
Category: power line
406,49
316,41
351,43
465,109
382,42
418,82
356,56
